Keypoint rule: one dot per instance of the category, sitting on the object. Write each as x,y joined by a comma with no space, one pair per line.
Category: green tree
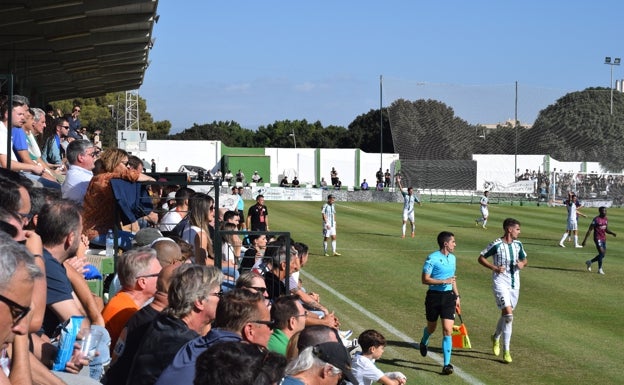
306,135
229,132
579,126
364,132
429,129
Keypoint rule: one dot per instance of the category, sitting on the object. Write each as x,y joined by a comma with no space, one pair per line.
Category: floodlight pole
293,136
516,128
616,62
381,122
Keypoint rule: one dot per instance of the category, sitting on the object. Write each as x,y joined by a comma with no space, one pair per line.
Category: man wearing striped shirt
409,199
328,214
508,258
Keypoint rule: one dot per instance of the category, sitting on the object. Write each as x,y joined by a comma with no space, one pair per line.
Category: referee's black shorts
440,304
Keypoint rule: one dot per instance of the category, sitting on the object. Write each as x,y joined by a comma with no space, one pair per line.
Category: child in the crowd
363,366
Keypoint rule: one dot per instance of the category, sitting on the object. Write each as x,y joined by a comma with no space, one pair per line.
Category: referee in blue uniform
442,297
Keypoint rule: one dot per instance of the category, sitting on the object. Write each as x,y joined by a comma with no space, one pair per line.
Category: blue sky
257,62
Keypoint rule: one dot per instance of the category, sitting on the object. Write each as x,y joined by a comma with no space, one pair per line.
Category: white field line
349,207
436,357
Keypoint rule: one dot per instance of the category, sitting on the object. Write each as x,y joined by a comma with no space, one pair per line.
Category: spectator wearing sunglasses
241,316
52,150
73,119
17,275
132,334
290,317
15,198
253,282
81,156
137,270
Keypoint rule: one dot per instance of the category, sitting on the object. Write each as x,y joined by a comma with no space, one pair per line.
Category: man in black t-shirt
258,216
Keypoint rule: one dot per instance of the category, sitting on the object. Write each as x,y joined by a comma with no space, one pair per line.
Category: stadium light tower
616,62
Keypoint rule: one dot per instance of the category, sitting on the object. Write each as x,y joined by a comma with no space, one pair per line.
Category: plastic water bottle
110,243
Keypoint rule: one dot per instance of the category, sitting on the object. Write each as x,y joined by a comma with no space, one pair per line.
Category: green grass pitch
566,326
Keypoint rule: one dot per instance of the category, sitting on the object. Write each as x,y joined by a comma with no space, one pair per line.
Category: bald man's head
167,251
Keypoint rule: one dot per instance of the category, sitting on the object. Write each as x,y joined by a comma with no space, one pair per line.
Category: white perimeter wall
292,162
301,162
289,161
370,163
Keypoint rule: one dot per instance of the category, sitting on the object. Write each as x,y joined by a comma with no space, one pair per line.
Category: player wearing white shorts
485,212
408,206
329,225
508,258
572,205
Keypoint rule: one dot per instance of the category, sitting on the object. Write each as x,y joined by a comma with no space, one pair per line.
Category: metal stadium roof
62,49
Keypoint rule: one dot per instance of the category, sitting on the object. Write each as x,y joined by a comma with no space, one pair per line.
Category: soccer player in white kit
328,214
572,205
508,258
408,206
485,212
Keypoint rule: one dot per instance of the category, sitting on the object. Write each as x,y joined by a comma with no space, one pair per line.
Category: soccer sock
425,337
413,227
447,347
507,331
600,258
575,240
325,247
565,235
499,327
403,229
484,222
334,246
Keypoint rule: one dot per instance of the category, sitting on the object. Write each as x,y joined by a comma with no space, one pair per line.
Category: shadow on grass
556,269
393,235
434,367
402,344
401,363
476,354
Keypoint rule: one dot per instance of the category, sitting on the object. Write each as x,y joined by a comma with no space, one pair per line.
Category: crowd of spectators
555,185
170,308
173,295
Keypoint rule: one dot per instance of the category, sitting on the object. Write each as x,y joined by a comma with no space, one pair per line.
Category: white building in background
352,164
349,162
